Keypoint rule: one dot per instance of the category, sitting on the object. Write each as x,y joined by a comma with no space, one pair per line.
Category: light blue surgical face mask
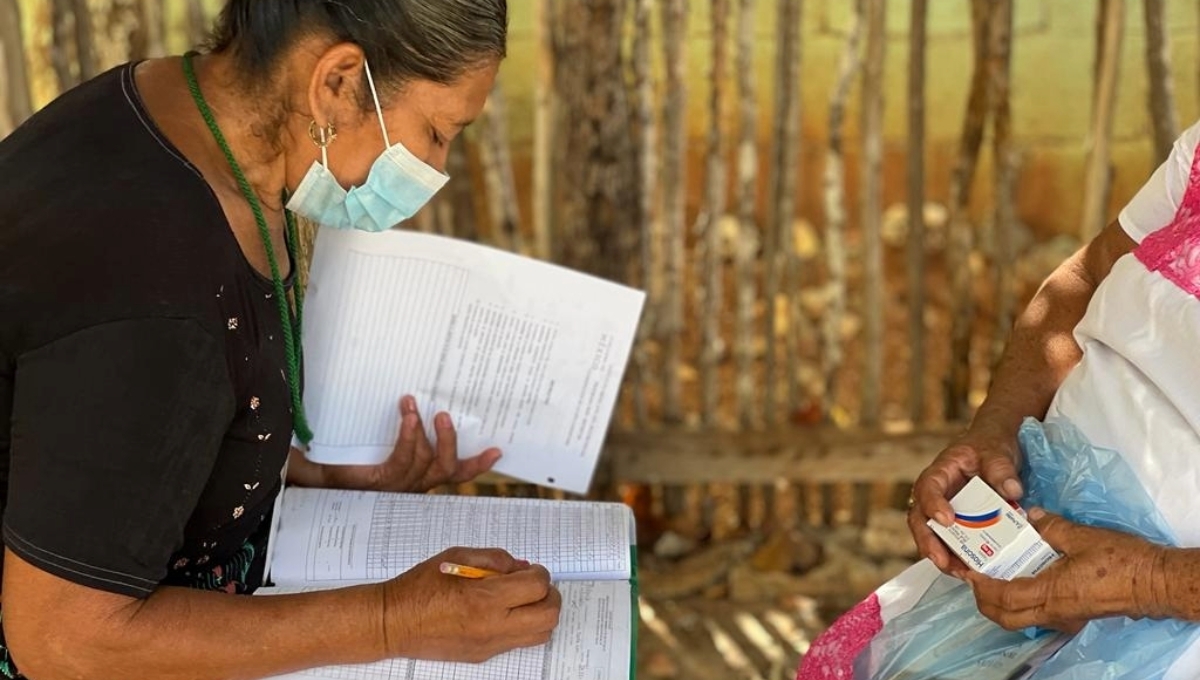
398,185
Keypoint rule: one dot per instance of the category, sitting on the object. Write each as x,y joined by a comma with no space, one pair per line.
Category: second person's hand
1102,573
976,454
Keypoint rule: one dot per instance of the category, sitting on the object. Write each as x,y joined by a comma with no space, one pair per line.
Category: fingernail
1012,488
523,563
408,404
943,519
443,420
1036,513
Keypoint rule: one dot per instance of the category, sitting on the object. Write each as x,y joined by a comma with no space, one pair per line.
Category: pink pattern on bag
1174,250
831,656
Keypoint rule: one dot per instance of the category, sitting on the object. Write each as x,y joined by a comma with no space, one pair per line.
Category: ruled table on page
327,535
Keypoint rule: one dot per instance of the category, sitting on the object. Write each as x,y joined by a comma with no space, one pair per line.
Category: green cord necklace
291,328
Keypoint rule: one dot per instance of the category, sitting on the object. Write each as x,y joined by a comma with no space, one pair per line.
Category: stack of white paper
524,355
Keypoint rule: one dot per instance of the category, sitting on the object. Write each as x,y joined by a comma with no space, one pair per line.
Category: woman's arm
1042,348
1175,584
57,630
1040,353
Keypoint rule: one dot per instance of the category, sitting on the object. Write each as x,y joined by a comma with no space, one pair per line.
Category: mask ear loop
322,136
378,109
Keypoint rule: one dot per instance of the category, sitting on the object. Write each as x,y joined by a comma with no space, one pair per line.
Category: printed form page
523,355
355,536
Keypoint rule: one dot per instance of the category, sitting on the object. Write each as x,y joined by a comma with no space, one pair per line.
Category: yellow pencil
465,571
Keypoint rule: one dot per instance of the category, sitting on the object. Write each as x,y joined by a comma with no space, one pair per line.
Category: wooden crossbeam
768,457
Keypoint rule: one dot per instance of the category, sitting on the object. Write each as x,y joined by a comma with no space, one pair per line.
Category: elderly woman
149,367
1109,345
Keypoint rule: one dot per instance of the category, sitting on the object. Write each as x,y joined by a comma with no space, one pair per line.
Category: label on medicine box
993,536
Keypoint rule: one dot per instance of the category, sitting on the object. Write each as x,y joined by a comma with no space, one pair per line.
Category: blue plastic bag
1066,475
945,637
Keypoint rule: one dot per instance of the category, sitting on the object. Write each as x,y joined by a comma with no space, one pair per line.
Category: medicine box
993,536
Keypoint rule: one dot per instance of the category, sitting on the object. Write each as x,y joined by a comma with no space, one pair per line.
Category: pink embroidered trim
1174,251
832,655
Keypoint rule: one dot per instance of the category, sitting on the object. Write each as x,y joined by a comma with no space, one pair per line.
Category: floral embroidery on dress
7,668
231,576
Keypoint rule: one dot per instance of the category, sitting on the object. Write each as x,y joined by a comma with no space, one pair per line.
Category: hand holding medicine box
993,536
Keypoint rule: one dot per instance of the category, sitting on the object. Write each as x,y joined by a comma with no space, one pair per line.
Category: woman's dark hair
404,40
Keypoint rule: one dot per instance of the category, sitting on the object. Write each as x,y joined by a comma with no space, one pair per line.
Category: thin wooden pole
785,160
153,28
674,19
494,154
544,123
122,27
916,210
597,185
443,217
798,328
652,237
1099,169
747,184
1162,88
425,221
710,296
1004,221
197,22
85,40
961,233
872,210
14,91
835,211
62,46
457,201
568,74
7,120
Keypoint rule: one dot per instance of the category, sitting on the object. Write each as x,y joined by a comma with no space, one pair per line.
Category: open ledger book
522,354
326,539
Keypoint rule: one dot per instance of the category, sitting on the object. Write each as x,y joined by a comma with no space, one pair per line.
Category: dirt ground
749,606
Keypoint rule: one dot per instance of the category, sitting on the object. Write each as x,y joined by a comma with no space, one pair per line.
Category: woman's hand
977,454
1102,573
429,615
416,465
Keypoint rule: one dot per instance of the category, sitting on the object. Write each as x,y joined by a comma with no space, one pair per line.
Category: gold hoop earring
321,135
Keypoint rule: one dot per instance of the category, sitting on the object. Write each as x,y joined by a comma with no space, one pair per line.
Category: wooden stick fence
756,350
